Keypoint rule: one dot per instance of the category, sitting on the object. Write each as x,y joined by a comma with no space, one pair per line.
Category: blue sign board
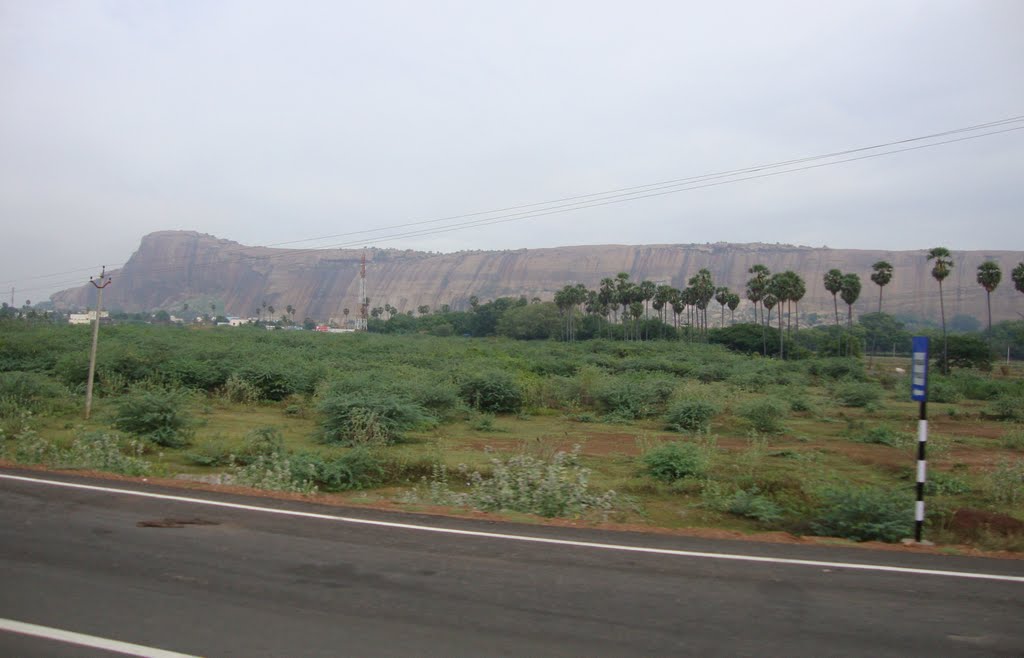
919,370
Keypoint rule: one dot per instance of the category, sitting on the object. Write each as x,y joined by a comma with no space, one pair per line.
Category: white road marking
81,639
524,538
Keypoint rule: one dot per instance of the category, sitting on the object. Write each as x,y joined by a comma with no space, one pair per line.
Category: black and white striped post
919,392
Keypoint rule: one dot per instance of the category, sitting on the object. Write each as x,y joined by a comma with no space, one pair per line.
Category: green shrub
865,514
1007,407
975,387
368,419
837,368
765,415
101,451
482,423
690,416
939,483
157,415
632,397
29,391
277,472
551,488
238,389
104,451
1005,482
360,468
943,391
261,442
1014,440
799,403
964,351
886,436
212,452
752,504
272,382
857,394
494,391
674,461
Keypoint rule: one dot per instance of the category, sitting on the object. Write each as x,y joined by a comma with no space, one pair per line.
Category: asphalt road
237,582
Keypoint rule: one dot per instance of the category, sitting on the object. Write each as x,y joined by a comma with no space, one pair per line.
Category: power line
609,197
676,181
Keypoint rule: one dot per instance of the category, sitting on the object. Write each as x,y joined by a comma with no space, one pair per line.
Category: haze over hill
171,268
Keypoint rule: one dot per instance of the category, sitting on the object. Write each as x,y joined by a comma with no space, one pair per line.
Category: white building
86,318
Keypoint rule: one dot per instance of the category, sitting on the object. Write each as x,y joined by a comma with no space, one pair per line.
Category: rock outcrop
173,267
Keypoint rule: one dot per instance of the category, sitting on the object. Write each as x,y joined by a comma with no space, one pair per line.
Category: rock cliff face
173,267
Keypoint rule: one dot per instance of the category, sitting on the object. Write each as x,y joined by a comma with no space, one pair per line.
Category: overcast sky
268,122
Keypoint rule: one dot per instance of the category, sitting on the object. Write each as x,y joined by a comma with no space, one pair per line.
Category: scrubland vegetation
650,433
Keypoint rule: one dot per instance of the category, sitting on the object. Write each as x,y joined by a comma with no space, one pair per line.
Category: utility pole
364,303
100,284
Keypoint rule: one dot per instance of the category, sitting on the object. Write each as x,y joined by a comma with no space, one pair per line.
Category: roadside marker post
919,392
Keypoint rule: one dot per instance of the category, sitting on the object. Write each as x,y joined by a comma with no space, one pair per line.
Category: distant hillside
171,268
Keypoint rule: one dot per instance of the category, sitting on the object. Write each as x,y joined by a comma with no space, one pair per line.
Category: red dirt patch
973,523
955,427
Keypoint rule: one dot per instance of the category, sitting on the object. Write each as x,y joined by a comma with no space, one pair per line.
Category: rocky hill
171,268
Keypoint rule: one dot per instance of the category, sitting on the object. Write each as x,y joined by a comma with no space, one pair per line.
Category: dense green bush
674,461
690,416
272,382
261,442
368,419
837,368
31,391
1007,407
977,387
553,487
157,415
942,390
964,351
886,436
752,504
210,452
495,391
278,472
865,514
747,338
765,415
634,396
105,451
857,394
359,468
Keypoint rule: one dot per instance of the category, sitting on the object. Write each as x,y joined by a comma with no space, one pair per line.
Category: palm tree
881,275
943,266
345,312
722,297
1018,277
734,301
756,285
769,303
989,276
778,289
850,291
833,284
704,287
799,290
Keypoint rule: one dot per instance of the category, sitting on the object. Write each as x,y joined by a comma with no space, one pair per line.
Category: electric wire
574,203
